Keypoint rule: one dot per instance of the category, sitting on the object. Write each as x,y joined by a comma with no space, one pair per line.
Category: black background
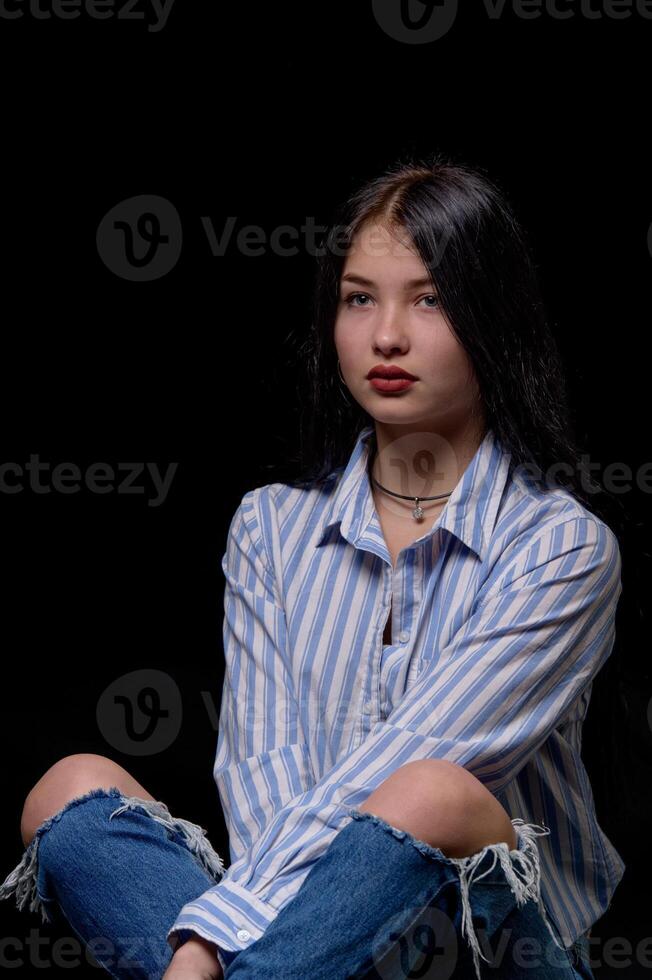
271,114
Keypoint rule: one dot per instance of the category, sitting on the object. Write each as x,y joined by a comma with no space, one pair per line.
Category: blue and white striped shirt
502,615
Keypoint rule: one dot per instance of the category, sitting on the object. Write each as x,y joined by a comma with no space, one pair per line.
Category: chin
405,417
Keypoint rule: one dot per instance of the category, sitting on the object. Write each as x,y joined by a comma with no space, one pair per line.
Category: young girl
411,635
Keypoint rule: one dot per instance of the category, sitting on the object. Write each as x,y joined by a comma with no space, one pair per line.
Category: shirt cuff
227,915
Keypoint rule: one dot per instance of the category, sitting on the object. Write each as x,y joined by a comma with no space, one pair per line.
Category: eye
353,296
351,300
433,297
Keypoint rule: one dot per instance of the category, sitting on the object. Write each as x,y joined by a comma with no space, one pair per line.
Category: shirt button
367,707
243,935
404,636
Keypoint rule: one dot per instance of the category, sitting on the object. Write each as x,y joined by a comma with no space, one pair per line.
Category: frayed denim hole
27,880
50,904
521,868
193,836
112,792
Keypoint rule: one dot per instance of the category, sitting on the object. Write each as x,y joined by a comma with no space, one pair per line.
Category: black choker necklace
417,513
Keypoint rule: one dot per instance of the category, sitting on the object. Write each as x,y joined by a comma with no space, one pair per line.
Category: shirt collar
470,512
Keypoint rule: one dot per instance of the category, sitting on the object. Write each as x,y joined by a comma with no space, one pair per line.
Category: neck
421,461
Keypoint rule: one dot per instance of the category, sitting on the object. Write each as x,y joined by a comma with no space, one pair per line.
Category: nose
389,332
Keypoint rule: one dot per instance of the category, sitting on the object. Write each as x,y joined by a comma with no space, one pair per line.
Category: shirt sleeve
262,760
533,641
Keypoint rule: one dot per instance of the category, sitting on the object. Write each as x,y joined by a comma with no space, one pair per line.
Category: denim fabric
381,905
378,904
116,870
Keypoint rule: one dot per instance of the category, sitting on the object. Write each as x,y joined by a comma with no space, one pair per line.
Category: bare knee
443,804
69,777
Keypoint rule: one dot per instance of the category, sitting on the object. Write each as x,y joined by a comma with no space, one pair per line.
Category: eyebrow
409,284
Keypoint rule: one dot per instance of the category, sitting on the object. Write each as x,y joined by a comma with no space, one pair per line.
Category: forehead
380,251
377,238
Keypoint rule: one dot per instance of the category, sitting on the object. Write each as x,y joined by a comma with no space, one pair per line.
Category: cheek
451,373
448,362
350,344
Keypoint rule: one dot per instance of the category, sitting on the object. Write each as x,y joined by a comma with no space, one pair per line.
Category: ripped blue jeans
377,905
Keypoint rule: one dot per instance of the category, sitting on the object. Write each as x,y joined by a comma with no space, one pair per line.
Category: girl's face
388,314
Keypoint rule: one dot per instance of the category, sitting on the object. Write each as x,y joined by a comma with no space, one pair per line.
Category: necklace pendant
417,513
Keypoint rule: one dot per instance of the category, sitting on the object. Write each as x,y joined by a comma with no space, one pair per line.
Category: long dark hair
467,234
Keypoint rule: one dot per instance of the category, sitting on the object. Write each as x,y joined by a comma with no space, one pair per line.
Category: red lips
390,371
